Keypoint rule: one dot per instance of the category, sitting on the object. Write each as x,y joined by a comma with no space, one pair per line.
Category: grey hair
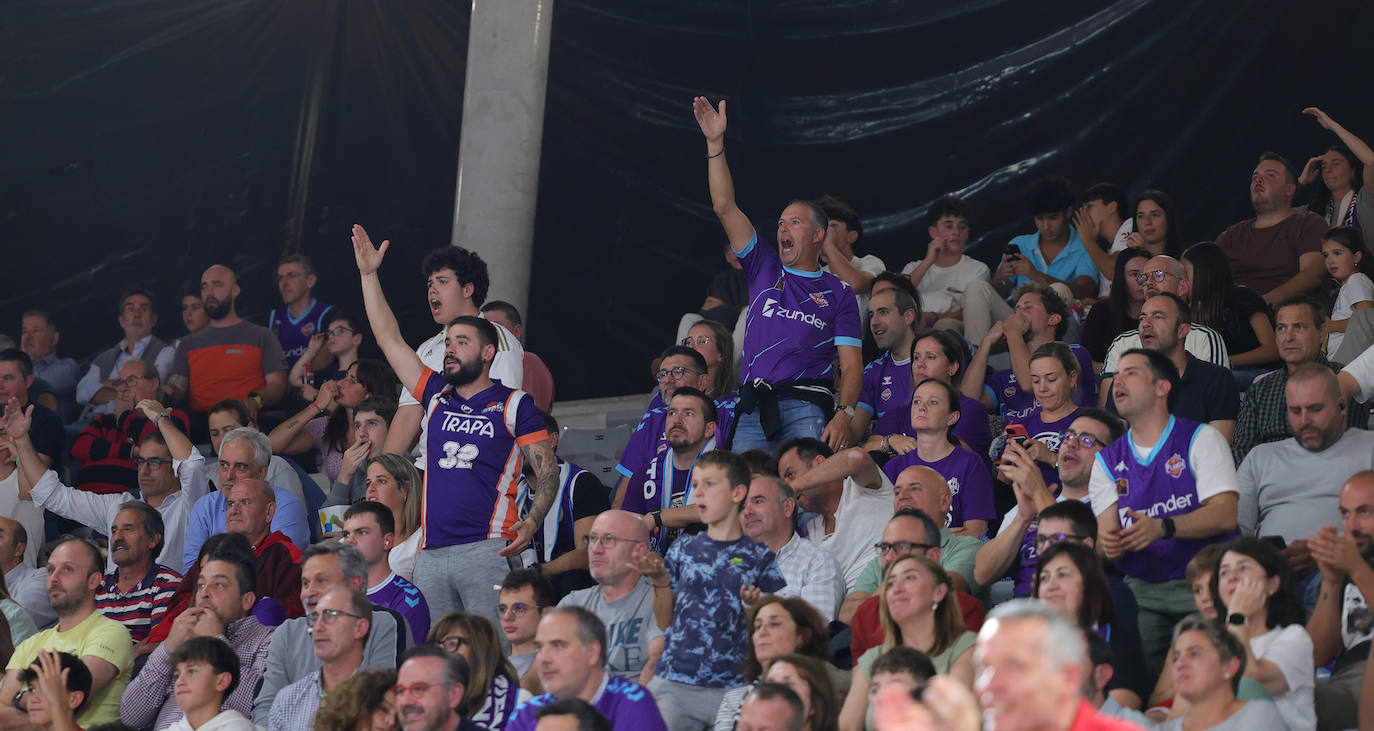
1063,642
351,561
590,628
262,446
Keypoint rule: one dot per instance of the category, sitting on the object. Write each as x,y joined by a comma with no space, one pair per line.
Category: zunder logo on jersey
770,309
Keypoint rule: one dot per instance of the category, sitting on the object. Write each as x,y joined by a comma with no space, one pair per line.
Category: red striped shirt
143,606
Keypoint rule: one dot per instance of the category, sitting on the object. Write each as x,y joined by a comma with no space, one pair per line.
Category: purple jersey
626,704
1163,484
472,470
796,319
648,438
886,393
1048,433
555,537
659,486
401,595
1015,403
294,333
970,483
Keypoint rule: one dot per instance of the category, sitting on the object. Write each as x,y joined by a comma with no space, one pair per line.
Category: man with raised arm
477,433
800,319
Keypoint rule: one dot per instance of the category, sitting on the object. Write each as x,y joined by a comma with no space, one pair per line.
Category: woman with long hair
1238,313
717,345
1120,311
393,481
363,702
917,609
1343,176
781,626
813,682
327,423
1157,226
942,355
1054,377
493,689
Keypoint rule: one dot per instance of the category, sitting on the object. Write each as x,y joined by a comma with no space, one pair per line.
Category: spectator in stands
57,689
717,347
39,336
1053,375
19,625
290,657
1238,313
780,627
886,392
366,701
206,672
1014,551
769,517
99,388
371,418
918,610
1278,252
572,664
244,456
1209,663
941,355
1343,175
1207,393
813,682
1340,625
1290,488
1350,264
945,271
49,441
424,668
464,558
525,598
1154,514
772,706
303,316
538,380
1120,310
1165,274
850,497
788,391
1264,413
1103,223
27,586
327,423
726,296
622,598
193,314
341,336
1070,576
663,489
1253,589
230,414
1104,663
370,528
558,544
456,283
137,593
908,669
843,231
102,644
232,358
1040,317
493,691
702,590
394,482
105,448
679,367
224,596
171,478
338,630
1158,227
911,532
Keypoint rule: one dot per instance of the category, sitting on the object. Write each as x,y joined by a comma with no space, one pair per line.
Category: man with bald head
105,448
1164,274
769,517
1342,624
232,358
27,585
623,598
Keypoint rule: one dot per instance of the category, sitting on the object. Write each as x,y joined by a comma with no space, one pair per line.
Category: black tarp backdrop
145,139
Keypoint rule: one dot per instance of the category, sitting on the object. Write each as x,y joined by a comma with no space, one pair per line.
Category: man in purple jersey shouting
800,319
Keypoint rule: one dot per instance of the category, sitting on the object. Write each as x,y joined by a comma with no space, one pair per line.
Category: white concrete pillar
498,150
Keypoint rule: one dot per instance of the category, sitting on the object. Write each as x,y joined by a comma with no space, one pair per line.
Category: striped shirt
143,606
1203,342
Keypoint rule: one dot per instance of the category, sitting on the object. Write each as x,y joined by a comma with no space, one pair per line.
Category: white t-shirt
866,263
1209,454
401,557
942,288
1290,648
1362,370
1104,279
1356,289
859,521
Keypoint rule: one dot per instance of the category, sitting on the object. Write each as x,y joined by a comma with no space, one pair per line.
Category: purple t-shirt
626,704
970,483
1015,403
886,393
796,319
658,486
406,599
1051,434
294,333
648,438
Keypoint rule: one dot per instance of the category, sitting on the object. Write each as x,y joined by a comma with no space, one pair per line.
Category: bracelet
317,408
718,154
656,586
161,415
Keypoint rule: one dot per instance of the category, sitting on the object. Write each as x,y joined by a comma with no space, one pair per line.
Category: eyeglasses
608,540
677,372
1158,275
414,689
518,609
1048,539
340,331
329,616
1088,441
131,381
20,704
902,547
152,463
453,644
698,340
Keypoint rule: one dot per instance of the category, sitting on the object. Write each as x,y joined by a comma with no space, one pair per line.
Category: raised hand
711,121
150,408
354,456
1249,598
17,418
51,684
1135,239
1336,555
751,595
369,257
650,565
1086,227
1016,325
1322,119
1311,171
329,391
313,347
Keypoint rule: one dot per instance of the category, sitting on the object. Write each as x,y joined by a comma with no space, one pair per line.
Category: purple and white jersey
294,333
658,486
796,319
648,438
886,393
970,483
625,703
1016,404
1050,434
401,595
1163,483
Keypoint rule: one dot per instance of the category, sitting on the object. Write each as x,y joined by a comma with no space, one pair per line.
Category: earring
935,606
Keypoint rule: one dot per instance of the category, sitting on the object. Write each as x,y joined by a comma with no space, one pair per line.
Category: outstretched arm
177,443
1356,145
403,360
737,226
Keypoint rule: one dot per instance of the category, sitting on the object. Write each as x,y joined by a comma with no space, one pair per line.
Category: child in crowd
205,670
701,590
1346,259
941,276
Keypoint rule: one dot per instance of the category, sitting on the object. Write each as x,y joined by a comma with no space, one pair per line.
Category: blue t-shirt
648,438
1073,262
970,483
626,704
796,319
406,599
472,471
294,333
1016,404
705,644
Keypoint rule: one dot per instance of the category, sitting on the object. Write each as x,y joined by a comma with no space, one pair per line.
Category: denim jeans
799,419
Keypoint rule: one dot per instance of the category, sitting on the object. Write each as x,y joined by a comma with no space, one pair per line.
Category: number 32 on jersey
460,456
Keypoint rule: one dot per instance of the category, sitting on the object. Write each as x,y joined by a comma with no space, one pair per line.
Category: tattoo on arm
541,457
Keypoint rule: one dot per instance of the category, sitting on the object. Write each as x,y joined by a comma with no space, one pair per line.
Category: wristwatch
848,410
1235,619
1169,527
658,518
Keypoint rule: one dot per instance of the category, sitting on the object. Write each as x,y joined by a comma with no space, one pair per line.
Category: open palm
712,121
369,257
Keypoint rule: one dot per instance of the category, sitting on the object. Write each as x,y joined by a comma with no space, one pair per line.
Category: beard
221,310
466,373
